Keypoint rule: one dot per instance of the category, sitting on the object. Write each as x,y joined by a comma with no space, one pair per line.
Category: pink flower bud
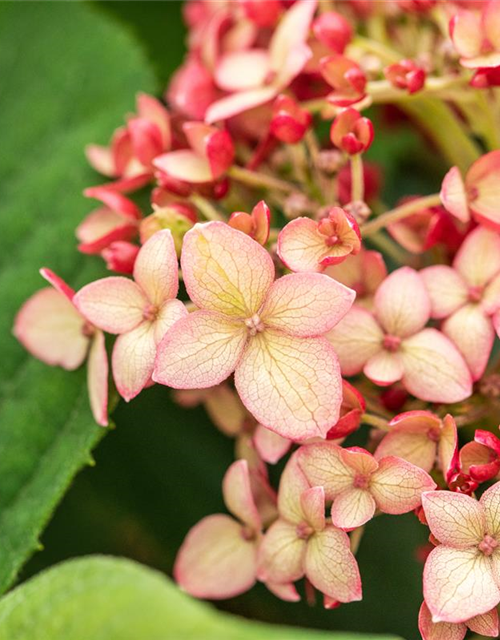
289,122
120,256
486,78
333,31
255,225
346,77
406,75
263,14
171,217
351,132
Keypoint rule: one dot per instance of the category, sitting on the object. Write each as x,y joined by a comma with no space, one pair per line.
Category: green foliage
67,79
110,599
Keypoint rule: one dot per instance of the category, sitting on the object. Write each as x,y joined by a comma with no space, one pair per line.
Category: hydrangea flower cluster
315,324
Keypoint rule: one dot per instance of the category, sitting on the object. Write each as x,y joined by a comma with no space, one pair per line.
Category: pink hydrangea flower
210,155
51,328
358,483
289,122
301,543
476,36
485,624
421,437
333,31
306,245
351,132
255,224
117,219
392,344
346,78
477,196
139,311
363,272
467,295
256,76
270,334
461,575
218,558
480,459
406,74
133,147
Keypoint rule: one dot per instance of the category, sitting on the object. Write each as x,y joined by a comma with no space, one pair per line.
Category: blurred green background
160,470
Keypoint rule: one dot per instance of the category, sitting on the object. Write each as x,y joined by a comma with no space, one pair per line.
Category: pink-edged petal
281,554
491,23
97,379
115,304
133,360
100,223
360,460
199,351
402,303
478,259
225,270
293,483
301,247
454,519
270,446
153,110
397,485
448,446
352,508
490,500
52,330
438,630
467,33
291,385
458,584
184,165
491,296
454,196
496,322
434,369
224,409
331,567
58,283
292,31
146,140
238,496
242,70
101,159
168,314
446,288
486,624
239,102
313,505
215,561
412,444
324,465
356,338
473,334
384,368
286,592
483,178
156,268
306,304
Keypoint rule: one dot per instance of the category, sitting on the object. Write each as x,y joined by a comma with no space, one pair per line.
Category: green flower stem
375,421
357,178
399,213
259,180
206,208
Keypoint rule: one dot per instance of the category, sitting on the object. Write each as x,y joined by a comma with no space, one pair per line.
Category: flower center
304,530
150,312
254,324
476,293
361,481
391,343
488,545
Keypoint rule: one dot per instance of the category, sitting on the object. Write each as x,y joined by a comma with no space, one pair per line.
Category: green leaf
68,77
114,599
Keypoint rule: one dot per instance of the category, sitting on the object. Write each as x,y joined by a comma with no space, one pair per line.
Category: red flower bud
486,78
120,256
333,31
351,132
346,77
263,14
406,75
289,122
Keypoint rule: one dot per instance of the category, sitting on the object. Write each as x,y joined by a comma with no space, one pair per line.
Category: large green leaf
68,76
110,599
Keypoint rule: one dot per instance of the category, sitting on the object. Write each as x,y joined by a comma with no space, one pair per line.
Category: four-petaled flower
467,295
476,36
139,311
306,245
301,543
391,343
358,483
270,334
462,574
